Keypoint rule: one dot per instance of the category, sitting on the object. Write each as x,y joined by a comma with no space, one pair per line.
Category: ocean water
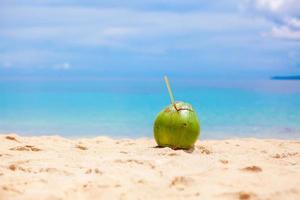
127,108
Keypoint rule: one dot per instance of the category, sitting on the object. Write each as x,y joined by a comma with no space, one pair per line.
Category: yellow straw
169,89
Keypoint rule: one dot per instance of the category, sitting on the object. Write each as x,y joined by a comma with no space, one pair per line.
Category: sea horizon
123,108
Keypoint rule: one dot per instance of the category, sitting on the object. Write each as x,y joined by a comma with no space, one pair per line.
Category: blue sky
113,38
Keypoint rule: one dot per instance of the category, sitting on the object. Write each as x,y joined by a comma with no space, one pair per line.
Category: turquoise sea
127,107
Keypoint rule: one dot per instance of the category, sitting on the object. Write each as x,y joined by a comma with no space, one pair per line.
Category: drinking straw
169,89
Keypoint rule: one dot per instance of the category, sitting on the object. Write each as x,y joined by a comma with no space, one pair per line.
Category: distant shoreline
286,77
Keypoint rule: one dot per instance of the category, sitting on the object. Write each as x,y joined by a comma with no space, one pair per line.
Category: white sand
103,168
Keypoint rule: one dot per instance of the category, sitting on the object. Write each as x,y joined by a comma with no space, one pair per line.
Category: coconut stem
169,89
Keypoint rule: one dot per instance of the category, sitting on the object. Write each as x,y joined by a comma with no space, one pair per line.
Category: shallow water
126,108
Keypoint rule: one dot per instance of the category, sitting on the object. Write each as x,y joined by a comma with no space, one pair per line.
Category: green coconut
177,126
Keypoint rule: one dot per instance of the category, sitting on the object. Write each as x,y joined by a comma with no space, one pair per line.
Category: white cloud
7,64
282,7
294,22
28,58
285,32
63,66
69,29
115,27
288,30
285,15
272,5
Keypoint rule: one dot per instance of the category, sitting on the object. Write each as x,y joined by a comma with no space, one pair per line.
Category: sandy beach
53,167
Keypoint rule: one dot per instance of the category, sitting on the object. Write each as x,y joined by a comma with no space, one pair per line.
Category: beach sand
53,167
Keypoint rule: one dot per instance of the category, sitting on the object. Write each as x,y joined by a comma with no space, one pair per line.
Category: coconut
177,126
